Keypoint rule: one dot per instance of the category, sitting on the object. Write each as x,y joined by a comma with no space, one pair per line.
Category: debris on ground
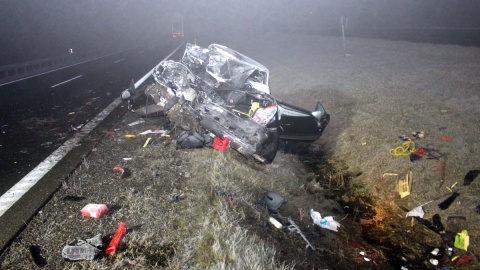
119,169
275,223
464,259
94,210
147,142
405,149
140,121
419,134
83,249
220,144
462,240
405,186
448,201
73,198
117,237
36,252
326,222
471,175
294,228
272,200
189,140
416,212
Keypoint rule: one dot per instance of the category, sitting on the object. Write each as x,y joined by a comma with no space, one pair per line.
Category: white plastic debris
315,215
435,251
326,222
139,121
145,132
156,131
416,212
275,223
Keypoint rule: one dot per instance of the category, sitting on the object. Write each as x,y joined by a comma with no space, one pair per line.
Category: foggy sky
33,29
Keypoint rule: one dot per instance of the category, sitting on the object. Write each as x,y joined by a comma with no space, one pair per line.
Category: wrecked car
227,94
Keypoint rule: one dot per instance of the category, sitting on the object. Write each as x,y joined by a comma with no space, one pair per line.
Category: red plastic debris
420,152
447,139
120,169
94,210
220,144
464,259
112,247
111,132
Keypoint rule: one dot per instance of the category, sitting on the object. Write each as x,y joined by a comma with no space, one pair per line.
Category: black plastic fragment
446,203
437,224
414,157
73,198
471,175
36,253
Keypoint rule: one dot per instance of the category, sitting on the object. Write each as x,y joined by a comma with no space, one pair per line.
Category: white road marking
65,81
118,61
12,195
53,70
18,190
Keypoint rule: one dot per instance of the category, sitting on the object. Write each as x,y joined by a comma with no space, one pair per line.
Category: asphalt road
37,116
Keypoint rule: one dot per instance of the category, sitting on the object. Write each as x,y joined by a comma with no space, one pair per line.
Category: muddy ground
198,208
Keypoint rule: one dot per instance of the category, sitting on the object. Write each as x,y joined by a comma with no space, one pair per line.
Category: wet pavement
39,114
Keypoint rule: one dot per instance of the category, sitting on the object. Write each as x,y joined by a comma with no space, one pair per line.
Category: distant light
70,50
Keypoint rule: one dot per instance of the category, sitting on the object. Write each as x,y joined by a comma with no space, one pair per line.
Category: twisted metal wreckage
227,94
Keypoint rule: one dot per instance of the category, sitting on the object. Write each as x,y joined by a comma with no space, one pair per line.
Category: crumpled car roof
229,68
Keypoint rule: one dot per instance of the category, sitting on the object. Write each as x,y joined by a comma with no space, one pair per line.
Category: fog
42,28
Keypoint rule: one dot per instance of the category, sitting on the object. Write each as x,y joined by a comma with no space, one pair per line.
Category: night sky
33,29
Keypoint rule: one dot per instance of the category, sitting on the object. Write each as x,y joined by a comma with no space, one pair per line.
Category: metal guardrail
20,70
12,72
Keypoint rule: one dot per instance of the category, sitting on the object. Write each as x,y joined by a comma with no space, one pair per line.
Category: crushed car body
227,94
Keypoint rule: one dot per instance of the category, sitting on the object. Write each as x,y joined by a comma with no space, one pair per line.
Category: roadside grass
214,237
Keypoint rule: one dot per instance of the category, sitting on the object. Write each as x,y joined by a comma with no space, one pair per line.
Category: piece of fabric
190,139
